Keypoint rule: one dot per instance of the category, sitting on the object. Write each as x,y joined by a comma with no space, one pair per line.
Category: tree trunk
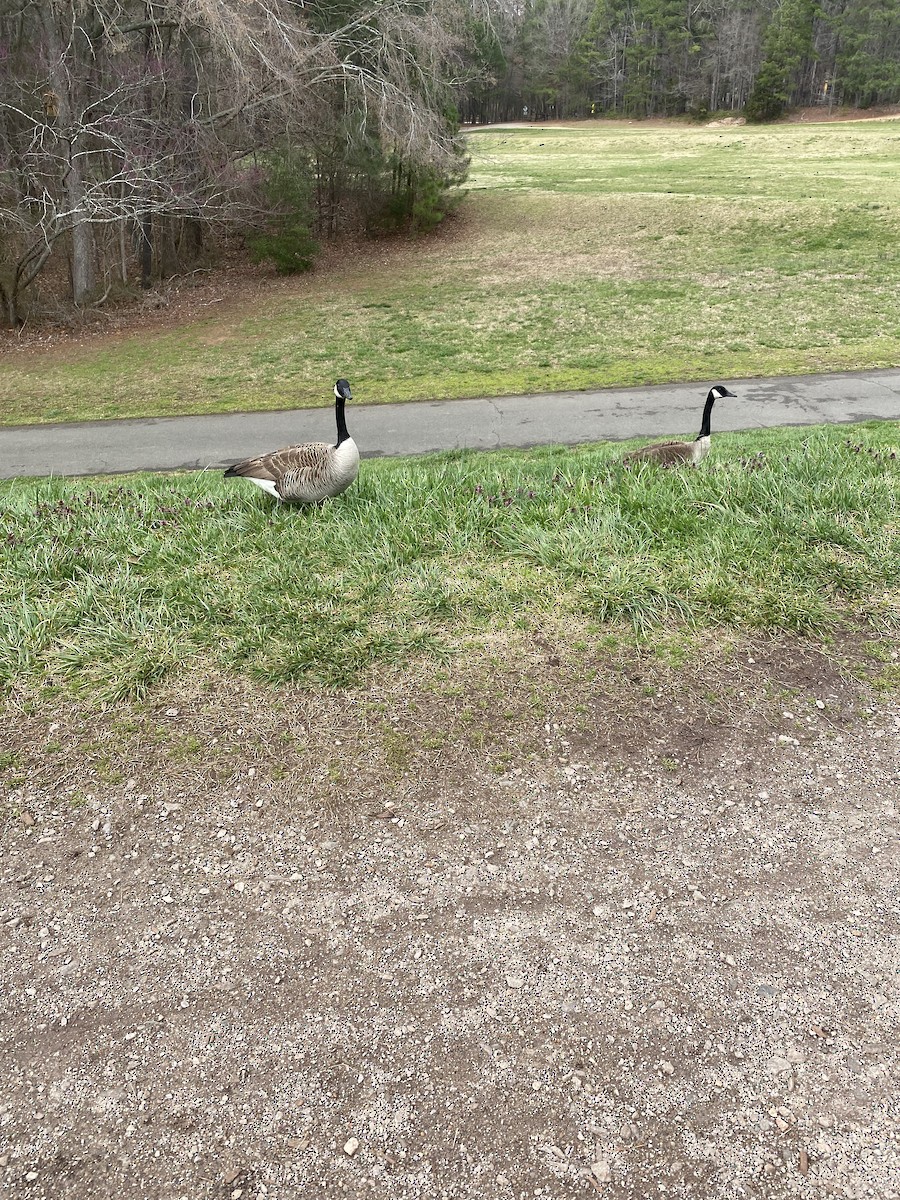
9,307
146,231
81,262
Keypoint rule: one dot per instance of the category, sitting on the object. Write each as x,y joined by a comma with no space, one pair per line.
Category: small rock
777,1066
514,981
666,1068
231,1175
803,1164
351,1146
600,1171
27,820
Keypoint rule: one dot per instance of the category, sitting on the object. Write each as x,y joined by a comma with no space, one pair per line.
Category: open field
582,256
108,588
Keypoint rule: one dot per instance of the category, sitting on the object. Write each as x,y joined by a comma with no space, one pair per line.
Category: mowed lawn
581,256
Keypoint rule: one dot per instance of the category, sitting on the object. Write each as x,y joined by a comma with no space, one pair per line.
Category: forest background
142,139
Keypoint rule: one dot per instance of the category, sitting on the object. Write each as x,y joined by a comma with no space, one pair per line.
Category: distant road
566,418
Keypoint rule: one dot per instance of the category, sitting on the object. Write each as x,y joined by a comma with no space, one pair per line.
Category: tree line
641,58
136,135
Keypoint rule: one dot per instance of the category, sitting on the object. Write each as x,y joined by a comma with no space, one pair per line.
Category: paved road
567,418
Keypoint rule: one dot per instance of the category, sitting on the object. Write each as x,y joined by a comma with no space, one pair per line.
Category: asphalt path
560,418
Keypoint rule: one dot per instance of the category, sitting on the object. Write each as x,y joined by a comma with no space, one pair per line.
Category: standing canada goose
311,472
672,454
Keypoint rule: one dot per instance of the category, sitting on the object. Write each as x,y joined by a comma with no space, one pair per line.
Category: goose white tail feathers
266,484
310,472
673,454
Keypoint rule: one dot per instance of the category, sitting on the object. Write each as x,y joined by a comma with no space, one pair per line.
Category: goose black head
716,392
342,390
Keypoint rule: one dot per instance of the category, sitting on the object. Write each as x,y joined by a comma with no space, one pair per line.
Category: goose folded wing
664,453
299,462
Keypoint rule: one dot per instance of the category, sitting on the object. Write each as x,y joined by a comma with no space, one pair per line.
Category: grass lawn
581,257
109,587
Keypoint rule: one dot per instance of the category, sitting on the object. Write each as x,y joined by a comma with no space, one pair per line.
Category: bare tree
137,114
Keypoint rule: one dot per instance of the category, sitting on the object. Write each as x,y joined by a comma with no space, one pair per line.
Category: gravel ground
660,963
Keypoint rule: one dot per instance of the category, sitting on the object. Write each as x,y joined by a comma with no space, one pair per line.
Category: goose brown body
310,472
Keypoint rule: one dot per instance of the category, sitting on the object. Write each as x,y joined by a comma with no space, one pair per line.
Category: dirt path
548,928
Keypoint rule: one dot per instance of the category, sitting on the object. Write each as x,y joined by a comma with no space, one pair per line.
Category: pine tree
868,61
788,42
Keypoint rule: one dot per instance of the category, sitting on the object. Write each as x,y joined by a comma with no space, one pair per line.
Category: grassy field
581,257
110,587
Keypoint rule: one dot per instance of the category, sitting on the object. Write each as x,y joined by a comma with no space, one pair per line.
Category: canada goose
671,454
311,472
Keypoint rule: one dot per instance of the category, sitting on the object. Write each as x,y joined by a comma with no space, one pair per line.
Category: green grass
589,256
109,587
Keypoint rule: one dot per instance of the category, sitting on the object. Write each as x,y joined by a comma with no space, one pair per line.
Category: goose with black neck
674,454
308,473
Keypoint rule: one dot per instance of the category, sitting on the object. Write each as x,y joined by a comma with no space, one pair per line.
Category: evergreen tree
649,57
788,42
868,62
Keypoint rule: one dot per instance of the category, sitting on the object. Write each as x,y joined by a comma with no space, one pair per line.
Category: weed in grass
109,589
885,677
397,750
